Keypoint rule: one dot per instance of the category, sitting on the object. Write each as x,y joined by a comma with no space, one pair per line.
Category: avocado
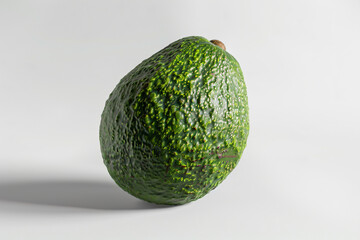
177,124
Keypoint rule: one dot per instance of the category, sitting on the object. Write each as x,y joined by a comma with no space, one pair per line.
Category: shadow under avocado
72,193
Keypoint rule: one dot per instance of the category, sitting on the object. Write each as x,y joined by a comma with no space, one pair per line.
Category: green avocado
177,124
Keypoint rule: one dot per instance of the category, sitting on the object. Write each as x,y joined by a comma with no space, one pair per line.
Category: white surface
299,175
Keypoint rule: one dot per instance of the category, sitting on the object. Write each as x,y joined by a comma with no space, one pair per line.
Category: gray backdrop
298,177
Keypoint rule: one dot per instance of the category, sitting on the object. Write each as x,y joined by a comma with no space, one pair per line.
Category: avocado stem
218,43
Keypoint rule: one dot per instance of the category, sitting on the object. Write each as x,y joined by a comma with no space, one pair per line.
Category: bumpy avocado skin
177,124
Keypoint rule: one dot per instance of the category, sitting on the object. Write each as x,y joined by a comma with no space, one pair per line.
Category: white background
299,175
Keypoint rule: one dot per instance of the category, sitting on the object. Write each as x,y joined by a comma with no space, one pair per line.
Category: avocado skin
177,124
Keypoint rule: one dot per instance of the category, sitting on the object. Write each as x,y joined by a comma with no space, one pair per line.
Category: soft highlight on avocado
176,125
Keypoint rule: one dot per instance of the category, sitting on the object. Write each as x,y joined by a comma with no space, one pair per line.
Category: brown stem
218,43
